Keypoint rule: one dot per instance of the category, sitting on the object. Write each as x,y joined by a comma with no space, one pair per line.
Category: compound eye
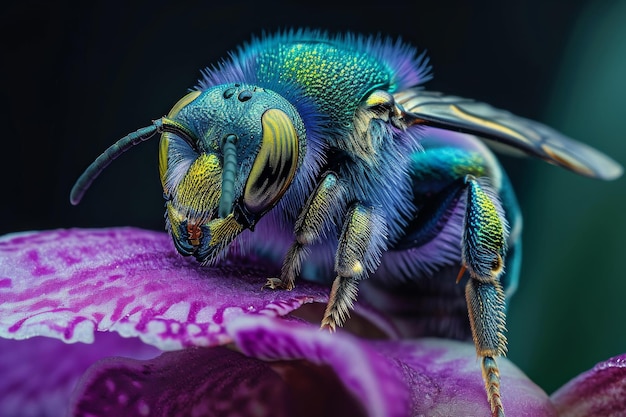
275,165
182,103
165,140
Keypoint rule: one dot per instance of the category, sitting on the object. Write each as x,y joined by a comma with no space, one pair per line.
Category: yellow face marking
223,231
490,125
199,191
175,218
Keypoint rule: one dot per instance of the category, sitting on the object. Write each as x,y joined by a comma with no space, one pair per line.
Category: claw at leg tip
491,375
277,284
328,325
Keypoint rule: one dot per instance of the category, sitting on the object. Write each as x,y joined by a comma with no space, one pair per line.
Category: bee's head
227,156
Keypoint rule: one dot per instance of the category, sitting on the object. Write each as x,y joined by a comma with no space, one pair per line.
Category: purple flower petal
39,374
290,368
374,379
601,391
445,379
395,378
67,284
74,284
209,382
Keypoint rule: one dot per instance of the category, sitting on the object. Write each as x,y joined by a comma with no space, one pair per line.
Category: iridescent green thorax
436,169
324,76
337,79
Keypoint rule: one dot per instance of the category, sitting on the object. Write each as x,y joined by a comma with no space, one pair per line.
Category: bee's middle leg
323,205
361,243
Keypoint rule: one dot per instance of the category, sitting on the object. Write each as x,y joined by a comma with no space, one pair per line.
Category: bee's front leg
483,250
362,240
321,207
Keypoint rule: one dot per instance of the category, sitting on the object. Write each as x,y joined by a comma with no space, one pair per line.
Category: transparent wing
499,127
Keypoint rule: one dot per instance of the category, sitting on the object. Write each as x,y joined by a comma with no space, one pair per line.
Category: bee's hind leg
484,246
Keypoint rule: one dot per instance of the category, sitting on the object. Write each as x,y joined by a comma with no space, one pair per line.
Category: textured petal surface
601,391
396,378
210,382
289,368
39,374
374,379
194,381
445,379
67,284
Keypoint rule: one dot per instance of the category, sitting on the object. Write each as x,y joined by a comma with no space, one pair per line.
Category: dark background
76,77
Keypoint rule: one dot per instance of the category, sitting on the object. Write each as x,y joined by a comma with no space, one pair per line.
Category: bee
326,150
